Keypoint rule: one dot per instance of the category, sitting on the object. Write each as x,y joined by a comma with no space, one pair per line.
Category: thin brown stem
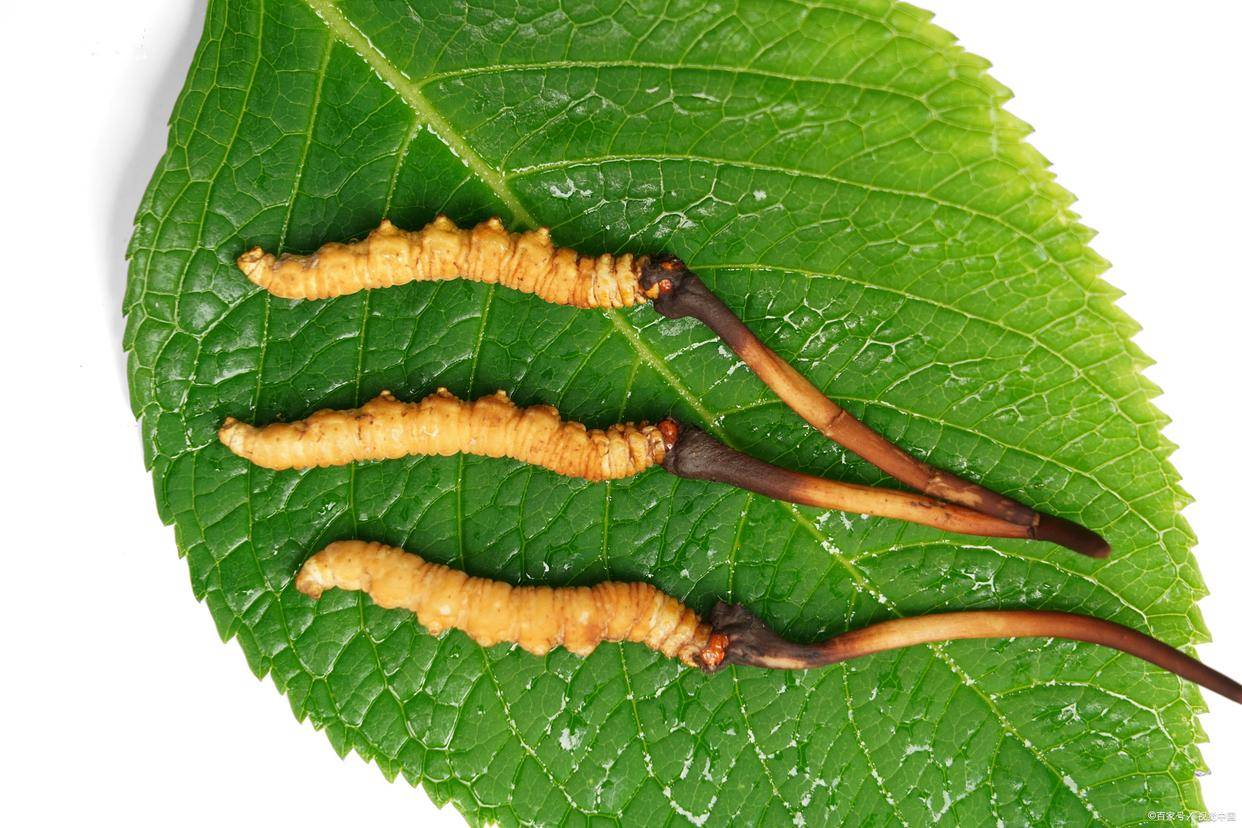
692,453
739,637
679,292
697,455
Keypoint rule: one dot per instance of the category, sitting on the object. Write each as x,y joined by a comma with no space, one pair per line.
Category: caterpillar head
676,289
314,578
740,637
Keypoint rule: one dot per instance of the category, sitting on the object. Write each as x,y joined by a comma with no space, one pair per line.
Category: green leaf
845,176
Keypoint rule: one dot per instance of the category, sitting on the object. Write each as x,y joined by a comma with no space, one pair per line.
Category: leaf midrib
343,30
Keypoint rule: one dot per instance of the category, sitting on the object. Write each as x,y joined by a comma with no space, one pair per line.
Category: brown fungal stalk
680,292
739,637
537,619
492,426
696,454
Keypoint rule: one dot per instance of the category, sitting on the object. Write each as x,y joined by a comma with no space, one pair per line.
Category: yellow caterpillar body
534,618
485,253
492,426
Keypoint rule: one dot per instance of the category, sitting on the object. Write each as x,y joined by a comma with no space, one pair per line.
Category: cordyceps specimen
540,618
529,262
386,428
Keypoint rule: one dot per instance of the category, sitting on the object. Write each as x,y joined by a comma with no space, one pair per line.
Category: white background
120,703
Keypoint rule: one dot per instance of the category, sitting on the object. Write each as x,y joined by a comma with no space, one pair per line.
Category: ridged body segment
487,253
537,619
386,428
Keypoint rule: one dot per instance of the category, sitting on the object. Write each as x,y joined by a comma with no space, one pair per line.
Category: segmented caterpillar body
491,426
536,619
488,253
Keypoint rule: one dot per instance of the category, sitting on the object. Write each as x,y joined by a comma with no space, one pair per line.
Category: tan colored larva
537,619
492,426
487,253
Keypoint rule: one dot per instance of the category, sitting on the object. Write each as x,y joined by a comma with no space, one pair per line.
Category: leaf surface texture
846,178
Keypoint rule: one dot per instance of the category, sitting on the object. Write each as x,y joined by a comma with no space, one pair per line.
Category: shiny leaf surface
846,178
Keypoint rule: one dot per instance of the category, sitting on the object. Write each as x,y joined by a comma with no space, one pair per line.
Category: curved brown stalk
693,453
682,293
739,637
